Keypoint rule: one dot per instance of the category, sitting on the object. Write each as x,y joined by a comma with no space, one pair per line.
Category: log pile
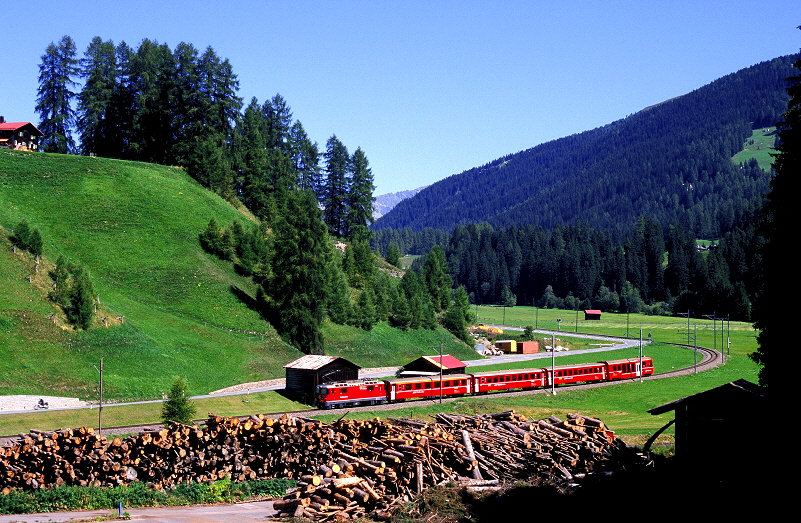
345,469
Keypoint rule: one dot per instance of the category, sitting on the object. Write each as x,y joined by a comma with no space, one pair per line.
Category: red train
374,392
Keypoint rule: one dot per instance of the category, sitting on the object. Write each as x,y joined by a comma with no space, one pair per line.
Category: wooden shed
709,428
305,373
592,314
431,365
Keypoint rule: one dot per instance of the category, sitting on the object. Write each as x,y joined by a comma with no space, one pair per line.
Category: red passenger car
628,368
564,374
428,387
484,382
350,393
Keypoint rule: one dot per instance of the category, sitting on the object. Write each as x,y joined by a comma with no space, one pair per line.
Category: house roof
313,362
592,311
447,362
13,126
734,387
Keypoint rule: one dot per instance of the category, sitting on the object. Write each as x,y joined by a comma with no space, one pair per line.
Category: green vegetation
171,308
759,147
138,495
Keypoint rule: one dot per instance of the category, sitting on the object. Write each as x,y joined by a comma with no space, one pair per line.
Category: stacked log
345,469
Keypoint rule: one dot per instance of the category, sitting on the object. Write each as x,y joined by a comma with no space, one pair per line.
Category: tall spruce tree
335,191
99,71
295,294
774,317
57,71
359,198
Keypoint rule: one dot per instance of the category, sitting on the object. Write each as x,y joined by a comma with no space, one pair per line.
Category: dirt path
254,512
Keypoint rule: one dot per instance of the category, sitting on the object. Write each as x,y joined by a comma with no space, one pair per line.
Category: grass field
172,307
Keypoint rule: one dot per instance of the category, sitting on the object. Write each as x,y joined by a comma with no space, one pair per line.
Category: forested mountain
385,202
670,162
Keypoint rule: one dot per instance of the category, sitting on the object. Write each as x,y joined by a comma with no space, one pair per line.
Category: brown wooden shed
305,373
710,431
592,314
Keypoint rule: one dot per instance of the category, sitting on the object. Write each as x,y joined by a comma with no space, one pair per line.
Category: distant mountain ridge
670,161
386,202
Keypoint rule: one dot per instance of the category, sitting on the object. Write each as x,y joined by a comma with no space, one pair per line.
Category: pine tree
99,70
360,198
295,293
54,101
80,310
774,318
178,406
335,191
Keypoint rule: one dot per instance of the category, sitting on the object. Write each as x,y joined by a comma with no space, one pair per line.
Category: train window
369,387
343,391
408,386
417,386
448,383
428,385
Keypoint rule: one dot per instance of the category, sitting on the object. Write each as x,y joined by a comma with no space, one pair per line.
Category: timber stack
345,469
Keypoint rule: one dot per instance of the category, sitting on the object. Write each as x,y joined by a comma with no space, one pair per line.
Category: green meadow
171,308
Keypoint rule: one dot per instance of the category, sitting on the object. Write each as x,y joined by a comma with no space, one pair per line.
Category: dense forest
670,162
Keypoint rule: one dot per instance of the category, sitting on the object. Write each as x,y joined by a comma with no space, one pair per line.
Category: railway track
709,359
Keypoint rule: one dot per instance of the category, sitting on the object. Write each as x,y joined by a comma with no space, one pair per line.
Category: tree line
180,107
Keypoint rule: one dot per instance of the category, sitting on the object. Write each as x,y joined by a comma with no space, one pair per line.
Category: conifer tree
57,71
774,318
295,293
178,406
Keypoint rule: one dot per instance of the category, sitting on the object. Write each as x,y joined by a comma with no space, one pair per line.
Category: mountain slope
172,308
671,161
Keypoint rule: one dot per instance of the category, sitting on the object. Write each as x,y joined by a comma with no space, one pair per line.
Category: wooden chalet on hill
19,135
431,365
305,373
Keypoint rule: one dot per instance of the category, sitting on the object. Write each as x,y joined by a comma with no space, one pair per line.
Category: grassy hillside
170,306
759,146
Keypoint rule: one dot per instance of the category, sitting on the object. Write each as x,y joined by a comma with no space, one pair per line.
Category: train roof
430,378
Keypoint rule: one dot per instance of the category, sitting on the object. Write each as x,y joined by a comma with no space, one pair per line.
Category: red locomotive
374,392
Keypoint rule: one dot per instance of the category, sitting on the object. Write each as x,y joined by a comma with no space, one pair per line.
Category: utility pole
100,409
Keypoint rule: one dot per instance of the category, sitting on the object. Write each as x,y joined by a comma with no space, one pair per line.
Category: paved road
255,512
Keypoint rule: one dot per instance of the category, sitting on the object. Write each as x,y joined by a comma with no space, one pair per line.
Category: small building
710,433
431,366
518,347
19,135
305,373
592,314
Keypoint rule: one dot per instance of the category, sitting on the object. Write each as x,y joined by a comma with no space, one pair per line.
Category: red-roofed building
431,365
19,135
592,314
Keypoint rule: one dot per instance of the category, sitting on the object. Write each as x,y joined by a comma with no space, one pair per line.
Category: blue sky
428,88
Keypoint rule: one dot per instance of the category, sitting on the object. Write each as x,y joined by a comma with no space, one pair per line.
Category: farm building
19,135
305,373
593,314
431,365
518,347
709,428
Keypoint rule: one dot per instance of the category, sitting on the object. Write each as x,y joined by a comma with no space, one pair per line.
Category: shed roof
734,387
592,311
314,362
447,362
13,126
